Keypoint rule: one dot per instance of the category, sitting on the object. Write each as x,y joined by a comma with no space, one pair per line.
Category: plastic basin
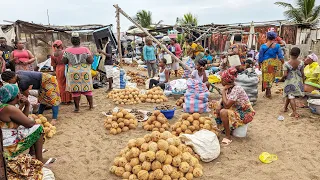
168,113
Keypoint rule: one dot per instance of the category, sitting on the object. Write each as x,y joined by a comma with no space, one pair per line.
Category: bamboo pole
118,33
153,38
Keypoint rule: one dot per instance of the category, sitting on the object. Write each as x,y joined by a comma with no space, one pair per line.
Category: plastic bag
205,143
47,174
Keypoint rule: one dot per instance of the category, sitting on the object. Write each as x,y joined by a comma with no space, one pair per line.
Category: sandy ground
85,151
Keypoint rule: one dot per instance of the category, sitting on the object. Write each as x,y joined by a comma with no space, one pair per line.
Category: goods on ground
121,121
137,78
315,92
180,101
191,123
157,156
180,73
156,122
138,114
164,107
126,96
156,95
48,129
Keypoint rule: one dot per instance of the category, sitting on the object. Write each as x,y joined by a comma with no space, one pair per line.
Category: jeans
156,83
55,110
153,67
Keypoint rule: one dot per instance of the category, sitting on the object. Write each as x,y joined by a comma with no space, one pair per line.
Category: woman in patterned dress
270,61
79,80
19,132
234,109
49,94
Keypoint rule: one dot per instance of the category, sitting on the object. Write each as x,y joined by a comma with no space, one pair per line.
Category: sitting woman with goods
234,109
49,94
19,132
163,76
312,73
199,73
270,61
293,81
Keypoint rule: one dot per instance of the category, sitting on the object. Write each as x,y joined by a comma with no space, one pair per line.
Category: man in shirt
196,51
6,52
108,62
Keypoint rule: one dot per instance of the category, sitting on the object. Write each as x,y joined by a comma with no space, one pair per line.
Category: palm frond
315,15
284,4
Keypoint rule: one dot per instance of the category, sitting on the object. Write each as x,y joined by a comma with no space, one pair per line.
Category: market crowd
72,78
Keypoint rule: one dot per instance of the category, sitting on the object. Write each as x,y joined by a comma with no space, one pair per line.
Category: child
293,81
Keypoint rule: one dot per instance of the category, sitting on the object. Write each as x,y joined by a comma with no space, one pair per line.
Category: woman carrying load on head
59,67
49,94
234,109
270,61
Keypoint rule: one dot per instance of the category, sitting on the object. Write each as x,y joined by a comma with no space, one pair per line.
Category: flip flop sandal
44,150
50,161
226,142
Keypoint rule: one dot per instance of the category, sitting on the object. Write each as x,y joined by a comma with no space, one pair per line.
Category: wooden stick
118,33
154,39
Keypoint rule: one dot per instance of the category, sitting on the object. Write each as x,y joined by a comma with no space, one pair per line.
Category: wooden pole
153,38
119,37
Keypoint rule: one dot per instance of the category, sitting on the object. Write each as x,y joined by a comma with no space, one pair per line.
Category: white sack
205,143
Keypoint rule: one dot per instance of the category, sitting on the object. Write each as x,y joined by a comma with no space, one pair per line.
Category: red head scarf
229,75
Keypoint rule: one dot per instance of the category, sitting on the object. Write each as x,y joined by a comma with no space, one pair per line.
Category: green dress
293,85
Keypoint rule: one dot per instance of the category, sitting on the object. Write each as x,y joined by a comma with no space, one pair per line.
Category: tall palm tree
305,12
188,19
144,18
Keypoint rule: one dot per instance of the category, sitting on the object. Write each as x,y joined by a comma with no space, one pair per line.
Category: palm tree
144,18
188,19
305,12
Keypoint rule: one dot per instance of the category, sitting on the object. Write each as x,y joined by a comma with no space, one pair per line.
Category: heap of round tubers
157,156
156,122
180,101
136,78
180,72
48,129
126,96
156,95
191,123
121,121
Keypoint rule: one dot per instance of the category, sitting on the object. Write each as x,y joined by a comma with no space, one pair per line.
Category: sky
79,12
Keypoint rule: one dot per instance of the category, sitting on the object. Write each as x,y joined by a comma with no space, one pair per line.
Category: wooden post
3,168
118,33
153,38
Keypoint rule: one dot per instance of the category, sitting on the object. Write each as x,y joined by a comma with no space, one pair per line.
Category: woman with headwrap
312,73
19,132
59,67
270,61
49,94
199,73
234,109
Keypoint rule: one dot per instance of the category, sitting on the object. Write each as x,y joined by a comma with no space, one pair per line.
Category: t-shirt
208,58
239,95
6,52
197,48
195,75
108,60
28,78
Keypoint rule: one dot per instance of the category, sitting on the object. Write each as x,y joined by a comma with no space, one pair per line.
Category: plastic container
314,105
168,113
241,131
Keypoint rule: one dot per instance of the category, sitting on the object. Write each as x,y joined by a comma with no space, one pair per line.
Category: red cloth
229,75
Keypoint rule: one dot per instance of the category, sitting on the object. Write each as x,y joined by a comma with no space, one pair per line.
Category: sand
85,151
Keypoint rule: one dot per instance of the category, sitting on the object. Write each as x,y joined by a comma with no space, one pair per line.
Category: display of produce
180,101
164,107
156,95
315,92
191,123
126,96
121,121
180,72
138,114
137,78
156,122
48,129
157,156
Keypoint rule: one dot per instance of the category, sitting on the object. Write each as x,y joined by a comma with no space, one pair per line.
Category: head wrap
229,75
314,57
75,34
57,43
271,35
8,92
202,62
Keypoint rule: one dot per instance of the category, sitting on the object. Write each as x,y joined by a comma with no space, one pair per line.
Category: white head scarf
314,57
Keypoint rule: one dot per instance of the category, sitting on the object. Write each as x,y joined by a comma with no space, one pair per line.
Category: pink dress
23,56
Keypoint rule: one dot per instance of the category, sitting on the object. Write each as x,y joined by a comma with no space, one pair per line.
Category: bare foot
296,115
76,110
285,110
53,122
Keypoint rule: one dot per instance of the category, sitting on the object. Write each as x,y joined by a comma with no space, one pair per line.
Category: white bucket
241,131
